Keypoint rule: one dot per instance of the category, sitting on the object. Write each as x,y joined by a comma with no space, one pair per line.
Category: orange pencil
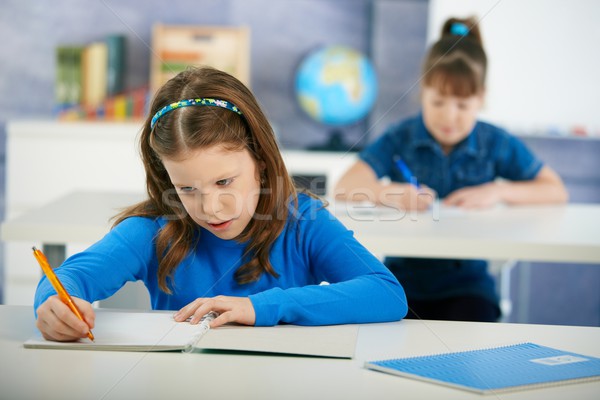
57,285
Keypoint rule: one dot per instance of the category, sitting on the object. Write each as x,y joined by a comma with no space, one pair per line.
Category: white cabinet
47,159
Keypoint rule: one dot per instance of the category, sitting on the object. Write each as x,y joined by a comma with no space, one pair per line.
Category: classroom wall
282,33
543,60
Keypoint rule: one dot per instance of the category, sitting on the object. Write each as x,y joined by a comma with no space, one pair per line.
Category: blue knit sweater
312,248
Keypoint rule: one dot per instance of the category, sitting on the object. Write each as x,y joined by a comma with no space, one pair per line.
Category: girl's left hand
230,309
481,196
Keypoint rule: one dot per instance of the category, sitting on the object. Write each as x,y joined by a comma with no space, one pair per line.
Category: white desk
80,217
74,374
569,233
564,233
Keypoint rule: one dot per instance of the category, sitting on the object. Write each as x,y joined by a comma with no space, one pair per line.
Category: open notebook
157,331
496,370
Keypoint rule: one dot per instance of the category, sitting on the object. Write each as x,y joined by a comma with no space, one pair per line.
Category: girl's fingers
206,307
222,319
230,309
87,311
188,310
57,322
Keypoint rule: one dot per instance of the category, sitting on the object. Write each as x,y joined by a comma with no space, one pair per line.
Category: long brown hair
457,63
189,128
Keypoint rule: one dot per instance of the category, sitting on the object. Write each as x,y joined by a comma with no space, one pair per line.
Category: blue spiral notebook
494,370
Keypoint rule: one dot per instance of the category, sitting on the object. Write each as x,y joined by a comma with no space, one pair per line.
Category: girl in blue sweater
223,228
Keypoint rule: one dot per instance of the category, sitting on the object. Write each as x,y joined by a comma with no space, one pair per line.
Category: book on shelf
496,370
68,76
94,73
116,64
157,331
130,105
175,47
90,81
120,108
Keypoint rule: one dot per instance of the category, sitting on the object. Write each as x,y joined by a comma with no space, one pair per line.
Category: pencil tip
34,249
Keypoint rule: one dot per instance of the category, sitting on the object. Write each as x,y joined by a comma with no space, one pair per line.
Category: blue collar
422,138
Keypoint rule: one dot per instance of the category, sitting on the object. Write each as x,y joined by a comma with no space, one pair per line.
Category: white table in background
79,217
552,233
565,233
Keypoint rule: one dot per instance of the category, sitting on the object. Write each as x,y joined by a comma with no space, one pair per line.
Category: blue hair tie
193,102
459,29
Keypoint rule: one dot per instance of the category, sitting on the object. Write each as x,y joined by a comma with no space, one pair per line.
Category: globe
336,85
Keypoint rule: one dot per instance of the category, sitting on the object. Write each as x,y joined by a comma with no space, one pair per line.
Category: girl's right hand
407,197
56,321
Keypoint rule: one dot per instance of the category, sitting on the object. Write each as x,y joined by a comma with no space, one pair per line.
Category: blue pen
408,176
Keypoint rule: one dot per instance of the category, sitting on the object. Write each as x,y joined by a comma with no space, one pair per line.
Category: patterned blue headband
193,102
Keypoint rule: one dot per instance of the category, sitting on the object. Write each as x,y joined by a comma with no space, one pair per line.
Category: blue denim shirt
487,153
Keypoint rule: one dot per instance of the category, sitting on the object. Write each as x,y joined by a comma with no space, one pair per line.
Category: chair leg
505,301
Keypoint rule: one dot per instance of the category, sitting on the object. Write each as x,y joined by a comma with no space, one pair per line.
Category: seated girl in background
458,158
223,228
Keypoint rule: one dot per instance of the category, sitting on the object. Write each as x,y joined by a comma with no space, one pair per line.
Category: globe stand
334,143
